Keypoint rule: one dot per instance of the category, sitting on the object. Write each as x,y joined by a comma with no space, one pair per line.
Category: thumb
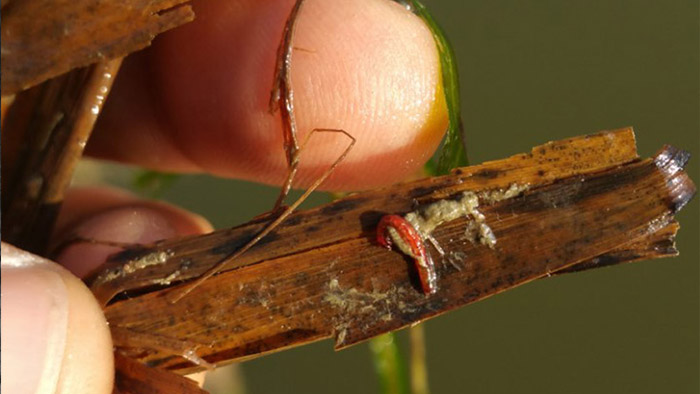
55,338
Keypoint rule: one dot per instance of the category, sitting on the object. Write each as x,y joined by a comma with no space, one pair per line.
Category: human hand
55,337
197,101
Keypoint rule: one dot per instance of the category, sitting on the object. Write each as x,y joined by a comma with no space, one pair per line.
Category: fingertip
88,343
55,337
115,217
375,74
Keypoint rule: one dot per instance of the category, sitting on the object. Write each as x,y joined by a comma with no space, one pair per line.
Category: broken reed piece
79,44
42,39
133,377
589,202
653,246
170,261
43,139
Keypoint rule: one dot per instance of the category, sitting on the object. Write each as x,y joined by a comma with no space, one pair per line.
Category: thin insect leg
128,338
282,98
300,49
63,245
272,225
435,243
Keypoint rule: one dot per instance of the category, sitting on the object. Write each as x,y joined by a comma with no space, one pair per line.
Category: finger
198,99
54,336
115,215
102,214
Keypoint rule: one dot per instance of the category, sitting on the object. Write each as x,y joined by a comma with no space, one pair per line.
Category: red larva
395,230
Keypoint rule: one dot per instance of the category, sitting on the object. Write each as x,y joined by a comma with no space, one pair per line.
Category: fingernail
129,225
34,322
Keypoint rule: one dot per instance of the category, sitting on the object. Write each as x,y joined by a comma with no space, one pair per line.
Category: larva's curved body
394,230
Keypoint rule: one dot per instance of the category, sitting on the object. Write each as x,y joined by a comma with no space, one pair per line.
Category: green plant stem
153,183
388,364
454,152
419,367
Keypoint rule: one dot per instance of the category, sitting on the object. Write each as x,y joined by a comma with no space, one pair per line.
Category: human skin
196,101
367,66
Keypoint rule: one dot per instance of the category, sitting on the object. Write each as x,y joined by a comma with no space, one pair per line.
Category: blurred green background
534,71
